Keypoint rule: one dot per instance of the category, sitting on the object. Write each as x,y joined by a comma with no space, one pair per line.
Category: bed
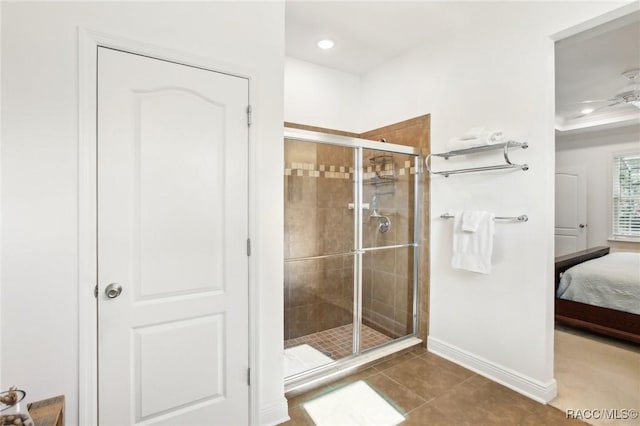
606,292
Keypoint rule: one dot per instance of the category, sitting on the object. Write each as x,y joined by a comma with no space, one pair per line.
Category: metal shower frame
359,145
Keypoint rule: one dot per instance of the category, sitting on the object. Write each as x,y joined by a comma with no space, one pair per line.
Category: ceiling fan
629,94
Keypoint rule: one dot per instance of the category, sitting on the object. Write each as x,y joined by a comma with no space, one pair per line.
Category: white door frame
88,42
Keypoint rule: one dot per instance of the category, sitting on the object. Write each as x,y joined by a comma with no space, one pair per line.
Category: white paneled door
172,233
571,211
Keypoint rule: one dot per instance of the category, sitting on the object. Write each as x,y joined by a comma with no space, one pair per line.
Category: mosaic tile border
346,172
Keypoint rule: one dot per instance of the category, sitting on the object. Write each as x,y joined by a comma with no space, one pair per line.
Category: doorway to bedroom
598,216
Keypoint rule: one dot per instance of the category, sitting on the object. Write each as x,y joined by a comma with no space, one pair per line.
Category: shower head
374,207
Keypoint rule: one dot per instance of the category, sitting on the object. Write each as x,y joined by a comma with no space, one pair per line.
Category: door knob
582,225
113,290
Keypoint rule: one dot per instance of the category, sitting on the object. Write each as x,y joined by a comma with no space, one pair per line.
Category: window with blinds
626,196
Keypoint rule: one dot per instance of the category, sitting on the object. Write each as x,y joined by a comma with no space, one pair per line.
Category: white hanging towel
473,241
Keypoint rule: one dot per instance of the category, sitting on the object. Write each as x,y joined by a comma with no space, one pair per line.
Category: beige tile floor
595,372
429,390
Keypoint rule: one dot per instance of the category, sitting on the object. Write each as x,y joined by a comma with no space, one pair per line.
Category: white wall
494,67
594,150
320,96
40,172
1,196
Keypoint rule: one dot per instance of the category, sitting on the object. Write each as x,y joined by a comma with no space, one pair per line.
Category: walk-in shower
352,226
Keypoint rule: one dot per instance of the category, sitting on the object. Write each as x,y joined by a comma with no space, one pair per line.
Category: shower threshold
323,375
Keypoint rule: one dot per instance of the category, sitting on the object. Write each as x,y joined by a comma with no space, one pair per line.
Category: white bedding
611,281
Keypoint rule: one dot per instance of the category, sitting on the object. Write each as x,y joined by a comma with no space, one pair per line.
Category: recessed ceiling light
326,44
587,111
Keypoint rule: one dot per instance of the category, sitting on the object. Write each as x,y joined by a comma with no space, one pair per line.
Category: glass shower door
319,241
388,241
350,248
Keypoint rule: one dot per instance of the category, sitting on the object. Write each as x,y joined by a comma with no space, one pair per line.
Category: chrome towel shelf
521,218
505,146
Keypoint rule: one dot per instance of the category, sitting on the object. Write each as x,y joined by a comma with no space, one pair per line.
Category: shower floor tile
337,342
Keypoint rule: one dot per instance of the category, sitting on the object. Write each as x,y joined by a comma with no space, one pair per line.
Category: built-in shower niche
349,284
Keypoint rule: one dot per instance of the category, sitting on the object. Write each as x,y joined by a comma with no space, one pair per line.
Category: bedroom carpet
594,372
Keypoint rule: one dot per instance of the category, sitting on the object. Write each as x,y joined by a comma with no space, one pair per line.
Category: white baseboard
531,388
274,414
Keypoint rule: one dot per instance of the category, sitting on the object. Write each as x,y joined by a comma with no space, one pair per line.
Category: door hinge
95,291
249,376
249,115
248,246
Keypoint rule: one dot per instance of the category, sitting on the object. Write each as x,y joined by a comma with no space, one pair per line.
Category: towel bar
521,218
505,146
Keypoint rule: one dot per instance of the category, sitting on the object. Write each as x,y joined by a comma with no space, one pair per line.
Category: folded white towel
474,137
471,220
472,250
473,133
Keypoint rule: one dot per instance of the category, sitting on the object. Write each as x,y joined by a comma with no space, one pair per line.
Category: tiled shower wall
414,132
387,276
318,294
